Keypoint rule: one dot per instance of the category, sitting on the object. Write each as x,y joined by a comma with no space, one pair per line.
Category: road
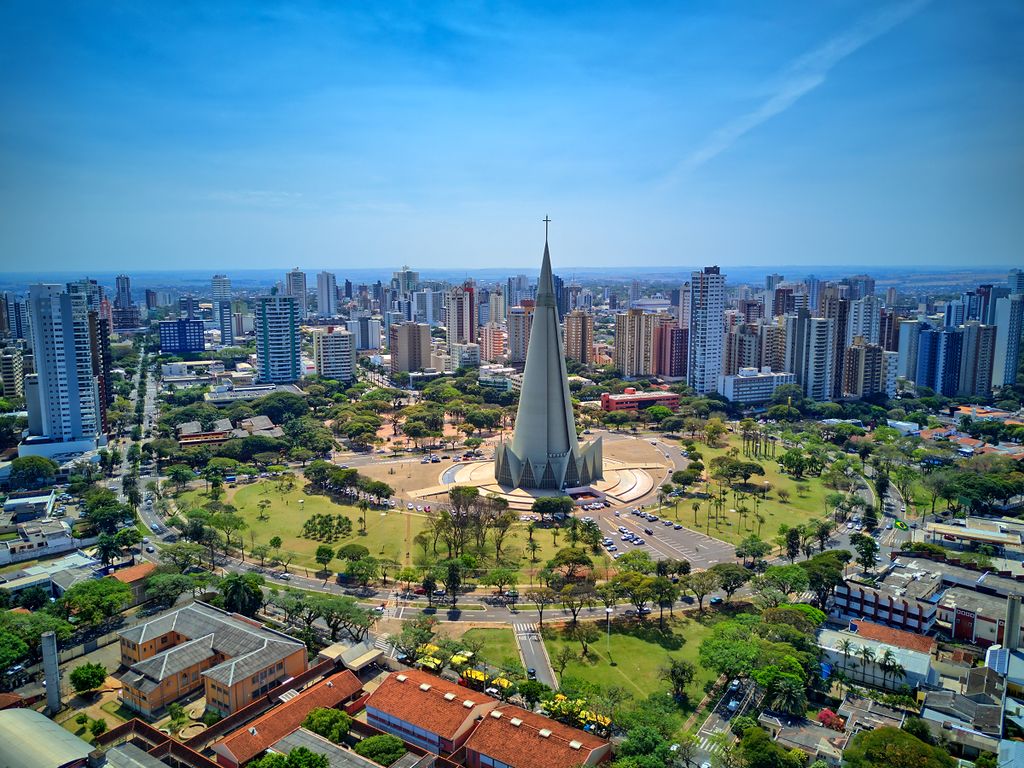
534,653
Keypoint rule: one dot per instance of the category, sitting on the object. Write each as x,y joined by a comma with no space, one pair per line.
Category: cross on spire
547,221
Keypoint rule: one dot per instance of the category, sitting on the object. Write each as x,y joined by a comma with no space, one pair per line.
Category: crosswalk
524,629
705,744
381,643
804,597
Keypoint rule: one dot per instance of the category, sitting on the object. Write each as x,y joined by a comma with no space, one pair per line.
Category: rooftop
248,645
976,602
133,573
427,701
29,739
251,740
337,757
524,739
896,637
913,662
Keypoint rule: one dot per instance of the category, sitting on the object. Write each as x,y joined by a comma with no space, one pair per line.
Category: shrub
383,748
830,719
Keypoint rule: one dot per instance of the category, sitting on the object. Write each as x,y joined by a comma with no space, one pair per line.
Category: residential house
135,577
510,736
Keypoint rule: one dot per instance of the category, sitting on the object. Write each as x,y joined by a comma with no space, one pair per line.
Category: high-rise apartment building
706,326
295,286
220,291
405,280
520,322
1009,322
865,317
496,306
277,339
62,396
742,349
460,315
938,360
773,345
366,330
683,307
810,353
15,316
493,339
123,292
976,359
409,345
428,307
834,306
906,349
579,337
226,321
634,343
865,369
670,348
334,353
326,294
773,281
12,372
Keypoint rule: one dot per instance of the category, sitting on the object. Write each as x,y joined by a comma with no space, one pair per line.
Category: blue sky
149,135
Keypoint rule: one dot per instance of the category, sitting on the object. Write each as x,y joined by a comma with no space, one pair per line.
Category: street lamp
765,494
608,616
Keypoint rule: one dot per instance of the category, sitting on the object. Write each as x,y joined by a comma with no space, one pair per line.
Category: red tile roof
895,637
522,744
21,610
134,573
250,740
431,709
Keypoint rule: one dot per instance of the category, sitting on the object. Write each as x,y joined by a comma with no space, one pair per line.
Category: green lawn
499,644
640,652
806,501
387,534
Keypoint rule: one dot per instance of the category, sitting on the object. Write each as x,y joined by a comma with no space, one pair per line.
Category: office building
520,322
810,353
12,372
773,281
409,345
1009,322
102,364
277,339
123,292
634,343
670,349
62,396
751,386
493,338
181,337
859,286
906,349
579,337
976,359
460,314
865,317
544,451
334,354
835,306
366,331
188,307
220,288
938,360
707,325
326,294
295,286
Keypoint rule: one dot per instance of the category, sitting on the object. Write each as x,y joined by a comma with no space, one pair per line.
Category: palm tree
886,662
867,656
696,509
789,697
846,647
363,505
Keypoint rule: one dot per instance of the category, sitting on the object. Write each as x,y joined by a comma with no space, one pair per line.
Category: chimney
1011,630
51,672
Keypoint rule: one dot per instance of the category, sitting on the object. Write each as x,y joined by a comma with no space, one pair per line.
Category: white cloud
802,76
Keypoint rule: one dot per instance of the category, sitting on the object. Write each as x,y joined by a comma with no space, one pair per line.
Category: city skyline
801,136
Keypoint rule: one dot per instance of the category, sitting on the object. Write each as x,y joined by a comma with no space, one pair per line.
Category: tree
180,475
889,747
542,597
680,674
332,724
182,555
166,588
867,550
96,600
644,747
383,748
12,649
98,727
730,577
363,571
789,695
32,472
702,583
635,587
585,634
300,757
562,659
570,560
792,543
242,593
324,555
275,543
86,678
414,635
352,552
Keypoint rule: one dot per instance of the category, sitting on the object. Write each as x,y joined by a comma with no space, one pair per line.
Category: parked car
716,601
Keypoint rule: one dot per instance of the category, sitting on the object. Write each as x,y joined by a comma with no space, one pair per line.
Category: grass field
387,535
640,652
806,501
499,644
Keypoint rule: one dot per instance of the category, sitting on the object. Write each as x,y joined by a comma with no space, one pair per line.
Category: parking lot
660,538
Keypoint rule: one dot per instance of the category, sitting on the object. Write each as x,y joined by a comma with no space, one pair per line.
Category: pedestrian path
705,744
